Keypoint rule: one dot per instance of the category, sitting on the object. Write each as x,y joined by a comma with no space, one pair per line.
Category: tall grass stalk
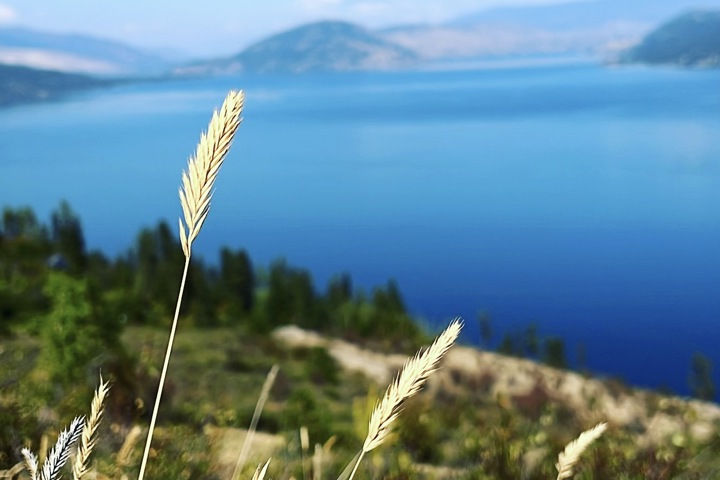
79,429
89,438
195,195
264,394
570,456
408,382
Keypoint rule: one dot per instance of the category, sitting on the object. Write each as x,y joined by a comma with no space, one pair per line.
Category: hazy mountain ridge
586,29
691,39
483,40
75,53
317,47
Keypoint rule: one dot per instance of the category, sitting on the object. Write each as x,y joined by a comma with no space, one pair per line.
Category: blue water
584,199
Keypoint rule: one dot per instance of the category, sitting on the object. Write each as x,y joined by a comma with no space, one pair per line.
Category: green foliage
236,283
304,409
16,427
339,291
71,336
158,260
188,459
68,239
420,433
322,369
291,298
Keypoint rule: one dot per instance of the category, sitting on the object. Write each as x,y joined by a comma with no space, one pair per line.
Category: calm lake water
584,199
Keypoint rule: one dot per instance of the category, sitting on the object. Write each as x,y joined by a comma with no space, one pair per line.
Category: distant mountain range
692,39
75,53
591,29
317,47
587,28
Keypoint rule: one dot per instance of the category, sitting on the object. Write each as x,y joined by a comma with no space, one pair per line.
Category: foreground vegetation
67,314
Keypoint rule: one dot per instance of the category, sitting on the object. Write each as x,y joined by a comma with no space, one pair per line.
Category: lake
581,198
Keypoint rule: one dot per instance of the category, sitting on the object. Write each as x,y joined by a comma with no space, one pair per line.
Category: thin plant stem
357,463
195,194
264,394
168,352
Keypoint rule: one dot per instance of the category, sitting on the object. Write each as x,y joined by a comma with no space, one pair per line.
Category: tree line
79,301
50,282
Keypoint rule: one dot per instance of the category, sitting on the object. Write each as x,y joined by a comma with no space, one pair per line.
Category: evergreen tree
531,341
485,327
701,382
68,238
237,281
554,354
291,298
72,338
339,290
158,262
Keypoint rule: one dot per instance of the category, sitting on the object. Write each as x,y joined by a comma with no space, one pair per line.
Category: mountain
448,42
573,15
600,29
318,47
692,39
75,53
22,84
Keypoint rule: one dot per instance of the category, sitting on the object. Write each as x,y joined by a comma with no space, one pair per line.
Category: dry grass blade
198,180
317,460
408,383
61,450
264,394
13,472
31,462
123,456
570,456
260,472
87,443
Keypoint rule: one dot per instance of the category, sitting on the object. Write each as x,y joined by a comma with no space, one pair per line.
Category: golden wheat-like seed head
197,182
570,456
408,383
261,471
88,438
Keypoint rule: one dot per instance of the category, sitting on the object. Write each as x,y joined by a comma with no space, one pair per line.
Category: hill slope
318,47
21,84
692,39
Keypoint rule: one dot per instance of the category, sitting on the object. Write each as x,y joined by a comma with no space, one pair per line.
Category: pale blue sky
219,27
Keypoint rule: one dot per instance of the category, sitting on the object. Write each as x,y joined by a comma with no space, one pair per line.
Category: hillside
22,85
318,47
482,415
692,39
75,53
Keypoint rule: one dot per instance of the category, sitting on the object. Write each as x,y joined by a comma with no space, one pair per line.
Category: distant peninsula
328,46
691,40
23,85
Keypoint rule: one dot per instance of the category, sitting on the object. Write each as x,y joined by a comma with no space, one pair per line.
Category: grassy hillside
483,416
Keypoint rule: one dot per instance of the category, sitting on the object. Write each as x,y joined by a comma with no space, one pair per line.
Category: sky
220,27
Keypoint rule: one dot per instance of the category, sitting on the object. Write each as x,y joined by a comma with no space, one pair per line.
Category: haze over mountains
643,31
598,29
75,53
